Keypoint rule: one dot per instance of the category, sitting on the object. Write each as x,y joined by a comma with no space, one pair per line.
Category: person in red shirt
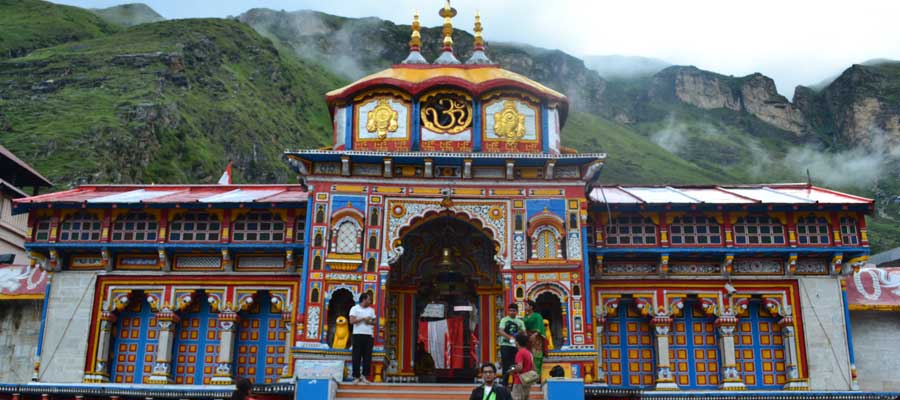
524,362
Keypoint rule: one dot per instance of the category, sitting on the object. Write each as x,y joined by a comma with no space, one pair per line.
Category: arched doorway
442,291
548,304
339,305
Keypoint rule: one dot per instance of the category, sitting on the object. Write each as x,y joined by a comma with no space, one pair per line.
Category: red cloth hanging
455,335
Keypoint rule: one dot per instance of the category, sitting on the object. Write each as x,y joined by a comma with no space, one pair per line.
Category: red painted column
836,228
863,231
792,229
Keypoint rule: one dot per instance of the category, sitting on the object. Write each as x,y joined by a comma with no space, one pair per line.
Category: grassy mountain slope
129,14
164,102
26,25
631,158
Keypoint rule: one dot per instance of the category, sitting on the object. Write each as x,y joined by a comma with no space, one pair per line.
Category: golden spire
415,43
479,42
415,39
448,13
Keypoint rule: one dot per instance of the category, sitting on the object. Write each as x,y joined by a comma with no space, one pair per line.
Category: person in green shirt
510,326
534,328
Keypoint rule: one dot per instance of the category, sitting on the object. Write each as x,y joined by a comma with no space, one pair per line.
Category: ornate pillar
599,324
661,324
227,328
100,374
166,321
731,380
794,382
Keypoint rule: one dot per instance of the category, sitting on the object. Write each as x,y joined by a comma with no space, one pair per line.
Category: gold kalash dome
460,106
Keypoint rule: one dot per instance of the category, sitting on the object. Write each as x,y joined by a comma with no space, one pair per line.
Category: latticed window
80,227
631,230
758,230
347,238
849,233
545,244
258,227
195,227
135,227
695,230
42,229
812,230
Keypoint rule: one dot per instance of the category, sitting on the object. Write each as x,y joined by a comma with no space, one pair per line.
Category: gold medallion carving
447,113
509,123
382,119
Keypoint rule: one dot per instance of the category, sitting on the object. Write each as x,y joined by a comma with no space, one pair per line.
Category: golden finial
448,13
479,41
415,40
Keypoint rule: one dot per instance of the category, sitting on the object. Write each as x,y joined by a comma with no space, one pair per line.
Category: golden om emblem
447,114
382,119
509,123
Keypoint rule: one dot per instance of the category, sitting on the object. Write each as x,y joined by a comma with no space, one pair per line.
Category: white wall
20,322
875,338
67,327
826,334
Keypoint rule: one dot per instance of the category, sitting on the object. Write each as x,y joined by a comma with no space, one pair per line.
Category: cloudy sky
793,41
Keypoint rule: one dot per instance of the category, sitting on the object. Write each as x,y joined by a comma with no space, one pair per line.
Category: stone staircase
421,391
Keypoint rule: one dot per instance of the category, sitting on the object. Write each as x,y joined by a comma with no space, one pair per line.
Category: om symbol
447,114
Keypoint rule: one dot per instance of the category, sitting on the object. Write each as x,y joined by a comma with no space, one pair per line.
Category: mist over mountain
173,101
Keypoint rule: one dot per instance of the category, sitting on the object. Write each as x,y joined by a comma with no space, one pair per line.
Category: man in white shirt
362,317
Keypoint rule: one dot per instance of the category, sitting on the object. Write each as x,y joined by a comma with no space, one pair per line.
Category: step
413,391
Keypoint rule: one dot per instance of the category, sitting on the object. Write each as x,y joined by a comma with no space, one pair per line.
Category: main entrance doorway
444,287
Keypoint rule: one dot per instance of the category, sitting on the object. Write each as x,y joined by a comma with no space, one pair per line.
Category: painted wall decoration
874,288
511,124
22,282
381,123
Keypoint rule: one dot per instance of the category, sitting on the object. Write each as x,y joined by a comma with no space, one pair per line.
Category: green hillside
26,25
164,102
129,14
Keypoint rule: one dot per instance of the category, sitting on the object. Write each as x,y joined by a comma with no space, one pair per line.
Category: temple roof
415,78
160,195
780,193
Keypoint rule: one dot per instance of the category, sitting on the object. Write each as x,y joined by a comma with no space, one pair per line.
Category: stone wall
20,322
827,356
67,327
875,347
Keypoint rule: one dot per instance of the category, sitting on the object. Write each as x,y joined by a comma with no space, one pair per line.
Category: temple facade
447,196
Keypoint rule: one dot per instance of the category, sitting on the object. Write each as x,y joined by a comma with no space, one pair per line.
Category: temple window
812,230
759,349
258,226
135,227
693,349
196,344
347,237
763,230
317,263
81,227
373,241
134,343
260,343
42,230
849,233
317,240
374,219
370,265
546,243
300,230
320,214
195,227
631,230
628,348
695,230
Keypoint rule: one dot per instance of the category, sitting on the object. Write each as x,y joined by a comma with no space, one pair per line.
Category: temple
446,196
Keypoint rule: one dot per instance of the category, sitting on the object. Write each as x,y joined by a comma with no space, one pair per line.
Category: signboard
319,369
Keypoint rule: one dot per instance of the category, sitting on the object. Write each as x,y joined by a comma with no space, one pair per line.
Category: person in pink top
524,362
